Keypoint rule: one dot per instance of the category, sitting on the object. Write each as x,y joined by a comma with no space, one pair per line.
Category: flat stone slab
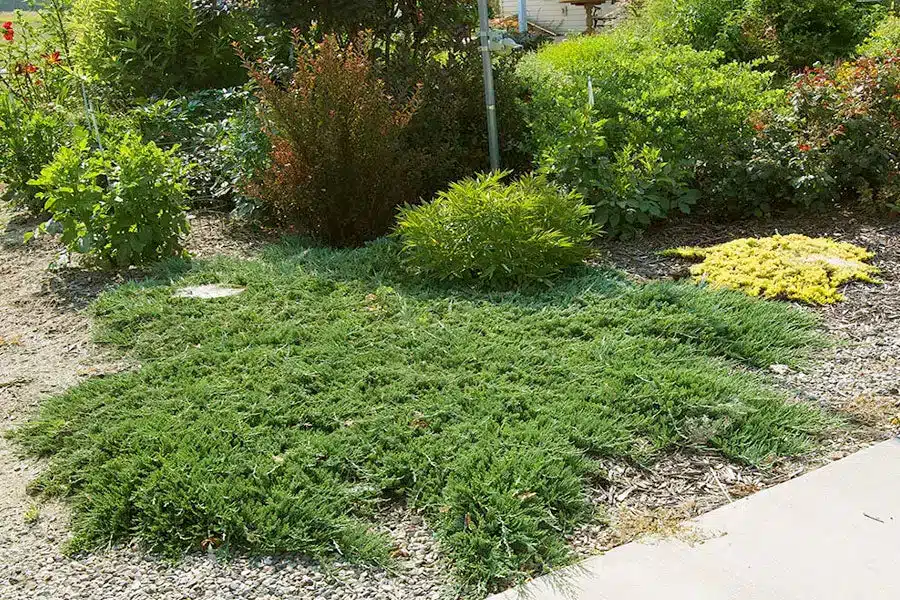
832,534
211,290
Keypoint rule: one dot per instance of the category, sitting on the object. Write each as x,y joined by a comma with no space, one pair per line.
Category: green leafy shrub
884,38
809,31
151,47
120,206
339,164
481,227
29,137
797,33
836,137
218,130
403,39
666,122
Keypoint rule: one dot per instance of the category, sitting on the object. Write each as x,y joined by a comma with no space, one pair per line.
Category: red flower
804,147
7,25
8,35
53,58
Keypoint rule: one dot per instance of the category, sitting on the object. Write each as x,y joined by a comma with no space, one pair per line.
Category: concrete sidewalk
831,534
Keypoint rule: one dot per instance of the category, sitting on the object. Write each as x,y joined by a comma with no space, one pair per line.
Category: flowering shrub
782,266
122,206
339,167
32,58
35,89
837,136
483,228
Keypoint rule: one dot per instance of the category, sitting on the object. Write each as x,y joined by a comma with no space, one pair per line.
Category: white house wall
552,14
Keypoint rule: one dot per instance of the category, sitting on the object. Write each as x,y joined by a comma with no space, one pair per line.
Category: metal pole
523,17
489,97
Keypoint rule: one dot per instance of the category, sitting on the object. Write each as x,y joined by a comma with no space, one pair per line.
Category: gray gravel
38,570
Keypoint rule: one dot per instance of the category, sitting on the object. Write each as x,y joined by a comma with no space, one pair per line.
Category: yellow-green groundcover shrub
794,267
483,228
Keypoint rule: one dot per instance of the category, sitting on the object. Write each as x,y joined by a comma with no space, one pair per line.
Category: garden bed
628,493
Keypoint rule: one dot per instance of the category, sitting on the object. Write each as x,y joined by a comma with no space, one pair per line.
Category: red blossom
8,25
8,35
804,147
53,58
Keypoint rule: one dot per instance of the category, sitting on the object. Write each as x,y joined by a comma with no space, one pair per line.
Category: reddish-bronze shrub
339,164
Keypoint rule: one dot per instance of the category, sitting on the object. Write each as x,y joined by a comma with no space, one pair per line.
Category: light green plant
794,267
29,137
885,38
666,121
32,515
120,206
484,228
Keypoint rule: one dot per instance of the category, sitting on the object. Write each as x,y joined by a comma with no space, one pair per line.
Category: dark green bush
483,228
29,137
797,33
153,47
405,34
666,121
219,131
448,130
120,206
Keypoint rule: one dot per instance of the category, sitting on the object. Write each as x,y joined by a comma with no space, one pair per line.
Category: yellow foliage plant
794,266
